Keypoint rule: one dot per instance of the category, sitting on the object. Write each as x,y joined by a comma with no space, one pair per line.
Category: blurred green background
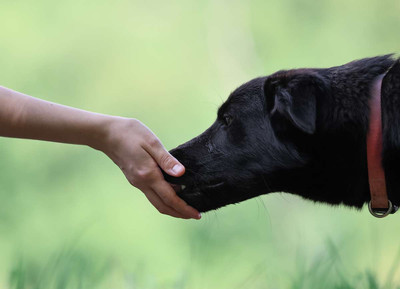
68,217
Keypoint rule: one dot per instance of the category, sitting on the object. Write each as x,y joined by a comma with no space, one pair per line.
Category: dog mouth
201,197
191,189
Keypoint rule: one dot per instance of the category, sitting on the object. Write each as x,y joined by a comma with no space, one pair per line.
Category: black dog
299,131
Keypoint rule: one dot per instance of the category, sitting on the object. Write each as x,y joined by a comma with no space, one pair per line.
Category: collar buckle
382,212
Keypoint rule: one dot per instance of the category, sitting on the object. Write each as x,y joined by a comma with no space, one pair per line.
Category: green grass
72,268
67,269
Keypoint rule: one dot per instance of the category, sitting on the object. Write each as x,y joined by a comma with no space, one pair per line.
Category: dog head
264,129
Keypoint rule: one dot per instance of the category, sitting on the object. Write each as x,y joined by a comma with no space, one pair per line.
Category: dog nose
178,181
168,178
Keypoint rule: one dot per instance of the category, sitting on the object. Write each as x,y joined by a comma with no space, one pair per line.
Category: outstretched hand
140,154
128,142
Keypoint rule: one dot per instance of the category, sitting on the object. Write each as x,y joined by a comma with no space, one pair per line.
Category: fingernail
198,216
177,168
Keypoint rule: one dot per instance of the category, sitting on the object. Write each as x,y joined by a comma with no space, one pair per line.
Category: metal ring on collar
379,213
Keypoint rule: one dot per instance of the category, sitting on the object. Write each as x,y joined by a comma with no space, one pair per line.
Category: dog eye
227,119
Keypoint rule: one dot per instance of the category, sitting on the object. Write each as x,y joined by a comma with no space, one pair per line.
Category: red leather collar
379,206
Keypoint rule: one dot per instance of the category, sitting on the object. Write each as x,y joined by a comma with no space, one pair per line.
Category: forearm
23,116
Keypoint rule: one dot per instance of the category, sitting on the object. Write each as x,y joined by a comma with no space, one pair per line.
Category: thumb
167,162
171,165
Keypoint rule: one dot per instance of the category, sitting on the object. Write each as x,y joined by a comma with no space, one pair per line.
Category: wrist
111,131
101,135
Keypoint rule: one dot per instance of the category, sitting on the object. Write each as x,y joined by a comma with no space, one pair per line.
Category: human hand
128,142
139,154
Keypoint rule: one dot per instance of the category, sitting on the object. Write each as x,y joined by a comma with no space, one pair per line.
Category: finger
156,201
164,159
171,199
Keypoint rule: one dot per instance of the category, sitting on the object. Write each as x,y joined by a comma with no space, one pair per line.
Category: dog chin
213,197
204,198
199,200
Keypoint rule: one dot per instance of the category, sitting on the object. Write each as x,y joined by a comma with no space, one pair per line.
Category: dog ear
294,98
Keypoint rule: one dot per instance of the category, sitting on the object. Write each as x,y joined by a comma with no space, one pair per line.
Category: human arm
128,142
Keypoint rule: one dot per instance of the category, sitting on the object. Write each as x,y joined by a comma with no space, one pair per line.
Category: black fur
299,131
